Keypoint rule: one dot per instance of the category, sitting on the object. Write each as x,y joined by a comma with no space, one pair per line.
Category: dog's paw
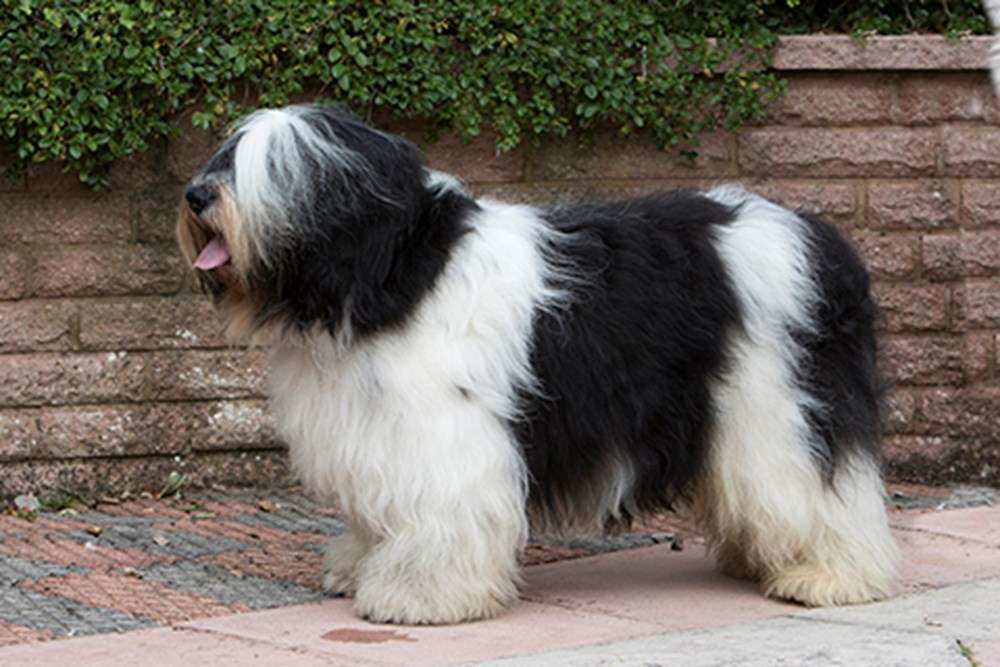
816,586
403,609
425,602
343,555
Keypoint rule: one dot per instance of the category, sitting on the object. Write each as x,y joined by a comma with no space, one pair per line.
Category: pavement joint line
285,647
951,536
861,624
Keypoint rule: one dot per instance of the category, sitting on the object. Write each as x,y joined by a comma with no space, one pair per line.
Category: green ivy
88,81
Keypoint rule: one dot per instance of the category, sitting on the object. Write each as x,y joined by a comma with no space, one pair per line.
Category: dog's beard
215,246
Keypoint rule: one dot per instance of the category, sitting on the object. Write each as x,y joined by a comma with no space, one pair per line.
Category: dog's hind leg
791,492
770,510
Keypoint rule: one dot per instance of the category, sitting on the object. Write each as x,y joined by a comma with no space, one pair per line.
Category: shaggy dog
455,371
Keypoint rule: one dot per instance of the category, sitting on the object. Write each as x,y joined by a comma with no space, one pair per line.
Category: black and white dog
453,371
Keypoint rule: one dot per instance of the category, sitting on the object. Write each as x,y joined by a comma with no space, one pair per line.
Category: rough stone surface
206,375
904,52
13,274
971,151
890,257
834,202
980,204
611,156
911,205
838,152
979,304
148,428
48,221
36,326
922,360
151,324
913,308
107,270
95,476
74,378
822,99
937,97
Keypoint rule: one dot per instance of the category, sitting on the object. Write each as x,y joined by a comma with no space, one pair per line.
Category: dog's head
298,219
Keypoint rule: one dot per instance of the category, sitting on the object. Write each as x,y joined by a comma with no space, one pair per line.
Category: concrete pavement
646,606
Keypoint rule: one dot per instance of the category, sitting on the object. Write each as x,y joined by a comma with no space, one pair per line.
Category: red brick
978,358
156,214
474,160
127,173
13,275
835,202
942,256
901,406
837,152
922,360
301,566
120,430
636,157
980,204
969,254
962,412
882,52
978,304
911,205
981,253
971,151
43,545
188,152
108,270
930,98
19,436
889,257
831,99
208,375
47,220
113,476
35,326
150,323
48,379
902,449
11,634
912,307
130,595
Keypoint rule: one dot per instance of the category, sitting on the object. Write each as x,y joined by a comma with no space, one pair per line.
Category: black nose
198,198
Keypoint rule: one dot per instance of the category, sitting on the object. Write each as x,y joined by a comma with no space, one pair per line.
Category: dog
454,372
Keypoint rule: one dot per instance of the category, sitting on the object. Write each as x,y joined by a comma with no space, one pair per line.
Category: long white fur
764,499
408,430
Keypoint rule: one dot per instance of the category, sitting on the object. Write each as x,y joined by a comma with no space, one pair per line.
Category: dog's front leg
438,574
450,536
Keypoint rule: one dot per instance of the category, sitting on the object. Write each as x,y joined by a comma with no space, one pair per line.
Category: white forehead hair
281,157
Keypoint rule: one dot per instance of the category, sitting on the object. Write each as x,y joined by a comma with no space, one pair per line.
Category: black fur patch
840,368
626,372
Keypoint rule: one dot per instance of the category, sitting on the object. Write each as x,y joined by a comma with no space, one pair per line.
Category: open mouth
213,255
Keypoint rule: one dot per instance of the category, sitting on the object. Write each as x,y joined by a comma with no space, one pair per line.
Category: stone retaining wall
113,372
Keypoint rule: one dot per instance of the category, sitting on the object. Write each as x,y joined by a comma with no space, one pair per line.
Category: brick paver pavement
142,563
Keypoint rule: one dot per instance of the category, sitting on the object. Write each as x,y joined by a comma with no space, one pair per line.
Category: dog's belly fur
576,367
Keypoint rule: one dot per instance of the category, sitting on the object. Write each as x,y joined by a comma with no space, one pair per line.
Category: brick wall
113,372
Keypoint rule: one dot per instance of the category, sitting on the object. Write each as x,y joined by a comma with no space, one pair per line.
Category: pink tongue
212,256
